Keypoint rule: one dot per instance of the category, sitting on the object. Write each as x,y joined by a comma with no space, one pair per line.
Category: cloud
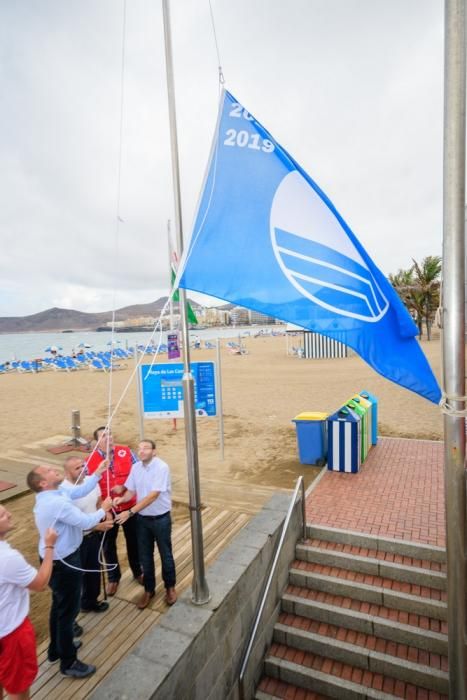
352,89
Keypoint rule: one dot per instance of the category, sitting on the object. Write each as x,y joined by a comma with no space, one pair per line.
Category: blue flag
267,238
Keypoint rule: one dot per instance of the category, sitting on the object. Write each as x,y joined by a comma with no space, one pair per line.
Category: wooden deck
109,636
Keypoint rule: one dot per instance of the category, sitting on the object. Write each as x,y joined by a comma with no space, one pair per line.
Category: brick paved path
399,492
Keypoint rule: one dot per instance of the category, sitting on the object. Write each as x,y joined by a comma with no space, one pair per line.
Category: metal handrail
300,485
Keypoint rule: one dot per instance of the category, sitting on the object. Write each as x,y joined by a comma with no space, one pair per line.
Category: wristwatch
130,512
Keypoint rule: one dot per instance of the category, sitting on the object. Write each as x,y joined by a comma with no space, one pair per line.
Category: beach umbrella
53,349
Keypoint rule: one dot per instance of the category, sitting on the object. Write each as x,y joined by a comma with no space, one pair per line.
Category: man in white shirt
149,480
92,539
18,657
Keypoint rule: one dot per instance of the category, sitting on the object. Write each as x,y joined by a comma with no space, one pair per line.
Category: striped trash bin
311,437
344,441
374,415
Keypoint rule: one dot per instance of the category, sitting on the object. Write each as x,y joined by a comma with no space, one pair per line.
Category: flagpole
454,338
200,590
171,303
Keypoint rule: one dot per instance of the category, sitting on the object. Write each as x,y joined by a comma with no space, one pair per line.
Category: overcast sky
353,89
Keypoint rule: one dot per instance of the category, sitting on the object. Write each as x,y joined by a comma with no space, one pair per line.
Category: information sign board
162,390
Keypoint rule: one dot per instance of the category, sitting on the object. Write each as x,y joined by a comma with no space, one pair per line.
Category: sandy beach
262,392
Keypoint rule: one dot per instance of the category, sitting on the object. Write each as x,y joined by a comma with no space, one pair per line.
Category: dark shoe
143,602
111,588
77,630
79,670
139,579
171,596
99,606
77,643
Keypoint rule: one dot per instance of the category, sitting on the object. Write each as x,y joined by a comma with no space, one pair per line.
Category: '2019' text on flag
267,238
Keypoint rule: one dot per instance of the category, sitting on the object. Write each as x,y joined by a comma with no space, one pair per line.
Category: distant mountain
68,319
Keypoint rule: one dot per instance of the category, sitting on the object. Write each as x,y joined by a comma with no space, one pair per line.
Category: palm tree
427,286
404,284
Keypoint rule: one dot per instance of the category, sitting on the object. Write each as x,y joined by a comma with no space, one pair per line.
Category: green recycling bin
357,407
368,417
374,415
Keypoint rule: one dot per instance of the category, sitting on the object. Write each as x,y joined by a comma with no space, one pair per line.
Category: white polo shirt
87,504
15,576
153,477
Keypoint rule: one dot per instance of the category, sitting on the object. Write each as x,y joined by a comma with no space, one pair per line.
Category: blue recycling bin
311,437
374,415
344,441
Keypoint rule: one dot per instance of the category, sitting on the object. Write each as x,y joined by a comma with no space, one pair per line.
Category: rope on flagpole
446,405
219,62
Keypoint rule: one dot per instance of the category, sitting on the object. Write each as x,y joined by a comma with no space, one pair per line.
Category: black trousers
110,549
65,583
89,551
156,530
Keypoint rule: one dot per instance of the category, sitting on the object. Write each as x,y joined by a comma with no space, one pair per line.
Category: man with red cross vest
121,459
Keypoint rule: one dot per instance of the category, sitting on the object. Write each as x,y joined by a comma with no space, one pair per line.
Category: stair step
394,557
418,550
368,652
336,679
386,582
344,604
372,589
412,572
272,689
357,621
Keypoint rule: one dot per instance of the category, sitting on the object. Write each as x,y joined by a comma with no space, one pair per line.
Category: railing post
304,510
267,586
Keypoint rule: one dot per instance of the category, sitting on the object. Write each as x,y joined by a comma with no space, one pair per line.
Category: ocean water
28,346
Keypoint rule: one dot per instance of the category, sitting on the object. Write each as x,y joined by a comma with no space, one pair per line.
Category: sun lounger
71,363
97,365
24,367
60,365
111,365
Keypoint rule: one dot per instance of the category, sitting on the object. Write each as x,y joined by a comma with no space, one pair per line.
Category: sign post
219,397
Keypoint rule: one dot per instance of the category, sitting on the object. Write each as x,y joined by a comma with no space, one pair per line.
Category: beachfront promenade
398,493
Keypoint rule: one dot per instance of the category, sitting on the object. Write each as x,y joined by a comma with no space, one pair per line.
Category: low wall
194,652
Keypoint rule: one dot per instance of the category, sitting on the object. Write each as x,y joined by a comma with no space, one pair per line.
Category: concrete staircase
362,617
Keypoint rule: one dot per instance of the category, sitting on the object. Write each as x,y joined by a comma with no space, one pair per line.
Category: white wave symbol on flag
317,256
